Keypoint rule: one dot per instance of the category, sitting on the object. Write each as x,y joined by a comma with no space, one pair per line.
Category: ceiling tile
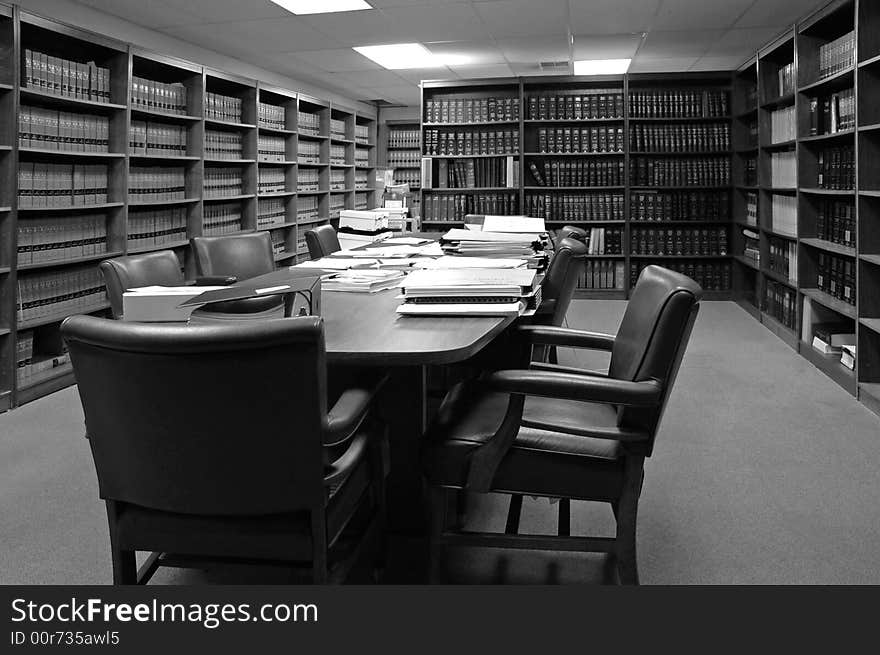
221,11
403,94
474,53
367,79
479,72
416,75
508,18
661,65
778,13
612,16
157,13
665,45
742,41
718,63
339,60
277,35
699,14
530,69
535,49
602,46
353,28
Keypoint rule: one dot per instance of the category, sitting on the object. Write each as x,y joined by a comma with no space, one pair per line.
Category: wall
87,18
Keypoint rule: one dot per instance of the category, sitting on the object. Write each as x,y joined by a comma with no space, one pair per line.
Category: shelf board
779,277
158,246
746,150
603,256
219,160
832,82
600,294
315,164
600,222
284,256
870,193
745,261
4,270
871,259
222,123
105,205
828,192
71,153
312,193
62,376
312,221
165,157
777,103
874,127
679,119
637,223
277,194
341,190
471,189
870,62
827,137
340,139
183,118
782,235
684,153
746,187
780,145
831,302
748,226
333,165
473,124
242,196
690,187
872,324
5,331
413,148
553,121
574,188
831,366
275,130
779,189
746,113
160,203
313,137
57,318
617,153
828,246
276,226
361,144
274,162
68,262
368,167
59,100
637,256
502,154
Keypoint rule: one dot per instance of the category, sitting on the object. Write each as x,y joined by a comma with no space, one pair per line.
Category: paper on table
406,241
520,224
433,249
173,291
466,309
458,234
339,263
389,251
450,262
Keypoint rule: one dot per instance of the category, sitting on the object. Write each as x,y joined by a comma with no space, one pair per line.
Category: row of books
783,125
781,303
412,177
31,369
154,228
751,246
712,276
837,55
585,139
750,171
271,116
222,182
602,274
832,338
221,218
307,208
661,206
398,138
361,179
785,77
49,129
833,113
587,105
575,207
158,96
667,103
751,216
361,201
337,179
156,183
336,205
308,179
605,241
43,184
783,169
472,110
403,158
82,80
783,217
49,240
500,142
836,168
836,276
836,222
454,207
146,138
271,212
279,244
679,242
308,123
220,144
337,154
271,148
58,293
272,180
700,137
221,107
573,172
361,157
673,171
302,246
474,173
309,152
337,128
783,258
362,134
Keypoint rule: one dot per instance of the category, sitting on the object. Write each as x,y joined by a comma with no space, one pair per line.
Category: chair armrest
345,463
575,387
559,336
558,368
214,280
348,412
546,307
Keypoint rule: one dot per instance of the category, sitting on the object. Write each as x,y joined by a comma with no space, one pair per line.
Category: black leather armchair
322,241
161,268
215,442
566,434
571,232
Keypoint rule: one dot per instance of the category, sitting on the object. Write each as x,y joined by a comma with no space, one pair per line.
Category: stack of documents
449,262
492,244
471,292
158,304
372,220
340,263
491,223
364,281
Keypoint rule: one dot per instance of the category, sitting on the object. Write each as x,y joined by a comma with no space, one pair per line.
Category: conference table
363,330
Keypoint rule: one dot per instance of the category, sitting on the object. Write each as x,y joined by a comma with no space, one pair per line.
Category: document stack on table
359,227
362,280
470,292
471,243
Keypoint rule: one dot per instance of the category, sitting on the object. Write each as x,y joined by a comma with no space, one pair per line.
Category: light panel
400,56
303,7
601,66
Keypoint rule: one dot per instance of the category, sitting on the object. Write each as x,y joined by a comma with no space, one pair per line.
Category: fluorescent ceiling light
398,56
601,66
301,7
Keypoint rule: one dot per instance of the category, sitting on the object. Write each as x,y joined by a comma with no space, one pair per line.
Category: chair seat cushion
284,537
540,462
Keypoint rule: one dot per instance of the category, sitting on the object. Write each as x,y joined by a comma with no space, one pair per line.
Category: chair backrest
652,338
154,268
242,255
322,241
208,419
562,275
571,232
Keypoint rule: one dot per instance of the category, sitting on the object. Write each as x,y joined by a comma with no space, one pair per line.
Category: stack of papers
371,220
491,244
157,304
364,281
449,262
340,263
518,224
472,292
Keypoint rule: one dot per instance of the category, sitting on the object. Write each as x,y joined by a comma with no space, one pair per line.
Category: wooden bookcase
591,179
401,151
157,113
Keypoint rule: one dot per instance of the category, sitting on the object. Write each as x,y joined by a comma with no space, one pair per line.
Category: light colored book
157,304
463,309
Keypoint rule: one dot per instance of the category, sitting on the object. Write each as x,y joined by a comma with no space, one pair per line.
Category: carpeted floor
765,472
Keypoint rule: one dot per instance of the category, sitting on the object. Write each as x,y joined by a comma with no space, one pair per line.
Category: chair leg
124,566
564,517
552,356
627,514
513,514
438,503
319,548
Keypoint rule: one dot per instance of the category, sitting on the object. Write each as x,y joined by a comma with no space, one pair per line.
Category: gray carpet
765,472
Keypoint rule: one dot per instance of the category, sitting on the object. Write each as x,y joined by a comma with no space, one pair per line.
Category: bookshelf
156,151
641,161
402,152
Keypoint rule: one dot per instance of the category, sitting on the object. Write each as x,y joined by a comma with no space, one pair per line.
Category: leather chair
570,232
241,256
322,241
161,268
214,442
541,430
